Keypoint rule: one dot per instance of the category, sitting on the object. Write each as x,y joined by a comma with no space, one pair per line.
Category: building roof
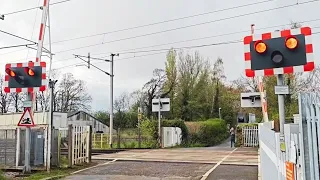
70,114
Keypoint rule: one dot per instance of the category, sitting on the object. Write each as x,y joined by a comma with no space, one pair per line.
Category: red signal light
291,42
29,71
260,47
10,72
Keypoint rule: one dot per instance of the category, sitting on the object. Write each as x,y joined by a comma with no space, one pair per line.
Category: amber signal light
10,72
260,47
291,42
29,71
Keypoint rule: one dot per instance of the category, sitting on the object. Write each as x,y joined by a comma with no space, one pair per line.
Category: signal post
26,77
278,53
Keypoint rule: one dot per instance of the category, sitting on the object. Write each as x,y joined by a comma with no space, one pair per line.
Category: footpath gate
79,144
250,136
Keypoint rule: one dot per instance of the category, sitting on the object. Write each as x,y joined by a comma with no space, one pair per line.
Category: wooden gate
79,144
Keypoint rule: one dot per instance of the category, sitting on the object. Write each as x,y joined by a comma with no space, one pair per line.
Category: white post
111,101
159,122
18,147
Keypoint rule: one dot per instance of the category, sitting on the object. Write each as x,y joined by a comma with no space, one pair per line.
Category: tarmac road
214,163
144,170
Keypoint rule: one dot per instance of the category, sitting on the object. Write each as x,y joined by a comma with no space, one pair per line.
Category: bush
209,133
212,132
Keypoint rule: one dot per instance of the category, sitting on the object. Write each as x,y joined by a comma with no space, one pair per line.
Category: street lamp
219,113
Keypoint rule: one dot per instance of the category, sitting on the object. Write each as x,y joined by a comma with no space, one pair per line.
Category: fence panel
250,136
123,138
309,110
7,147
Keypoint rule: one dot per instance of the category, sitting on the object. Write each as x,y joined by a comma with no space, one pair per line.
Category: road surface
213,163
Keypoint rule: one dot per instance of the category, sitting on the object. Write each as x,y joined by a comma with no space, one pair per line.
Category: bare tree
16,101
43,98
246,84
121,105
5,98
153,88
71,94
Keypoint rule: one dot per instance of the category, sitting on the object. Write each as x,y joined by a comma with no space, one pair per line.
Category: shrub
149,128
213,131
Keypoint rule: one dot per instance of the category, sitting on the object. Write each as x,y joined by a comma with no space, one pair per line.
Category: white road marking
205,176
75,172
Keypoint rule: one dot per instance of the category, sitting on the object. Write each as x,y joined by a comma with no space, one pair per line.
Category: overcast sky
78,18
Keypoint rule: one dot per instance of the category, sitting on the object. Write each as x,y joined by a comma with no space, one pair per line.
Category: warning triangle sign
26,118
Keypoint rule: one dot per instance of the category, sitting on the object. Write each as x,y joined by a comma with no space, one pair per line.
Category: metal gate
7,147
309,108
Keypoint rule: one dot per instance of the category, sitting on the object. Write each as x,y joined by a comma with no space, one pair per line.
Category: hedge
212,132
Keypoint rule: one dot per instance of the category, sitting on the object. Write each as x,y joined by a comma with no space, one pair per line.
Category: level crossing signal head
280,52
25,77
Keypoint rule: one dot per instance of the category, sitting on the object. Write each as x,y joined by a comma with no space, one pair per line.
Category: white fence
302,144
171,136
80,144
250,136
271,167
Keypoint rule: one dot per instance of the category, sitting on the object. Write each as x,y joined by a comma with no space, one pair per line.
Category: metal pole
51,85
88,60
111,101
159,122
139,126
27,167
280,81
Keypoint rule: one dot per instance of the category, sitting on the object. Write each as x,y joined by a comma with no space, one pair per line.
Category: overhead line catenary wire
145,47
19,11
14,46
168,30
190,40
166,21
207,37
10,34
186,47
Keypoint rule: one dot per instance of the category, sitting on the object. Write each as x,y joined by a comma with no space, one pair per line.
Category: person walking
233,136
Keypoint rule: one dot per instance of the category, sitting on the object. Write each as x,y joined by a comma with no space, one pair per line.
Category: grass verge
57,173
